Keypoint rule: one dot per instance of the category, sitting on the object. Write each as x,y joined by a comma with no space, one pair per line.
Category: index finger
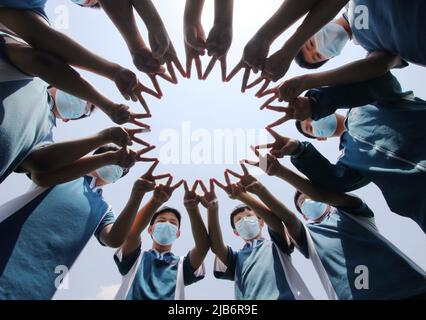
194,187
246,78
177,185
273,133
245,170
209,68
145,150
155,83
143,103
152,168
203,187
234,71
223,66
219,184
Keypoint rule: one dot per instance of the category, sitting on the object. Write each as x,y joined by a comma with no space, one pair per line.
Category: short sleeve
125,264
108,219
226,272
284,246
303,246
190,275
363,211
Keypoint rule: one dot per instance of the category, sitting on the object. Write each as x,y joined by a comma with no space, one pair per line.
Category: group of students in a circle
381,139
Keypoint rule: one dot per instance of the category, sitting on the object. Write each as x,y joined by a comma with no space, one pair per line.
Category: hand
144,61
146,182
247,181
171,59
292,88
162,193
269,164
256,52
277,65
126,158
191,199
122,136
122,114
159,42
298,109
218,43
195,45
209,199
126,82
282,146
234,191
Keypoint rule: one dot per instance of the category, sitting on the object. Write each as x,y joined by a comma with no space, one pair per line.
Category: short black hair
299,128
97,5
300,60
296,201
163,210
108,148
236,211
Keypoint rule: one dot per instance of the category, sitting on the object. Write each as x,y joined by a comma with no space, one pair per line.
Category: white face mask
325,127
111,173
248,227
331,40
70,107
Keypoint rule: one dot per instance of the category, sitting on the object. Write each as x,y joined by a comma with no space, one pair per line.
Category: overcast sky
191,114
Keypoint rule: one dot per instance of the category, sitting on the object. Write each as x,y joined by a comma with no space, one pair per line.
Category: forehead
167,215
302,198
244,213
306,126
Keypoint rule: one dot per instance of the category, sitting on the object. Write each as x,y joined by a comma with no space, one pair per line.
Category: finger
255,82
256,151
185,185
234,71
268,102
278,109
263,88
140,141
245,170
273,91
203,187
149,91
227,178
246,78
156,84
147,159
194,187
152,168
219,184
199,68
161,176
165,77
279,121
252,163
169,181
223,67
235,174
145,150
264,146
211,185
209,67
188,66
179,66
140,115
171,71
140,124
177,185
143,103
273,133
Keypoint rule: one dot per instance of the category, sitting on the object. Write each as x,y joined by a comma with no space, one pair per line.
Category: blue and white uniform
152,275
49,231
384,144
394,26
355,262
262,270
38,6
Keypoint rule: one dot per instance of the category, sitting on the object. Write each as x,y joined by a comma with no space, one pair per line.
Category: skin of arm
215,233
223,12
201,238
193,11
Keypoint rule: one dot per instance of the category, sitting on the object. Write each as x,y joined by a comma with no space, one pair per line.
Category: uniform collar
161,255
253,243
92,184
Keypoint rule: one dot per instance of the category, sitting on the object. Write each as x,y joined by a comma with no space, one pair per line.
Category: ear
321,139
150,230
178,234
236,233
261,223
65,120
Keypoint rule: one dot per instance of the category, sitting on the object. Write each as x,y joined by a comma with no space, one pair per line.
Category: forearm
60,154
71,172
265,212
201,238
121,14
148,13
320,13
223,12
193,11
121,227
215,234
281,212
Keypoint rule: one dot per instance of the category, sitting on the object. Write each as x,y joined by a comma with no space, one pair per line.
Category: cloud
107,292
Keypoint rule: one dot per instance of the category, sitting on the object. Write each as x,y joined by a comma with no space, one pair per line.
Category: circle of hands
216,45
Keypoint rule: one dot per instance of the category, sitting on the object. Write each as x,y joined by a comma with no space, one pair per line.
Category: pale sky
193,111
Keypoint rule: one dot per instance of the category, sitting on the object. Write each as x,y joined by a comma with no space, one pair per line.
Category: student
158,274
36,63
380,29
218,41
162,50
262,269
40,239
353,260
28,20
379,141
274,67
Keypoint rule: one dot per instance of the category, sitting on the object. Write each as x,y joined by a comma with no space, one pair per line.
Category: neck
257,238
160,248
344,23
340,126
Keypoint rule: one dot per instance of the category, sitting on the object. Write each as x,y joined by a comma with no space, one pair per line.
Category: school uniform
394,26
153,275
38,6
262,270
355,262
50,230
384,144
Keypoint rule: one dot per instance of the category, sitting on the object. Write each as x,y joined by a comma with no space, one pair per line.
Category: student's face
244,215
87,112
307,128
310,52
166,217
315,215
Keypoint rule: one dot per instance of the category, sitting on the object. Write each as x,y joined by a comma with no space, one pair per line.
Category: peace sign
269,164
247,181
281,147
162,193
234,191
123,136
241,65
298,109
122,114
191,199
146,182
141,88
209,199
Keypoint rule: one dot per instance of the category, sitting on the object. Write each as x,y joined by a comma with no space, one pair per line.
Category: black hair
108,148
236,211
296,201
97,5
299,128
163,210
300,60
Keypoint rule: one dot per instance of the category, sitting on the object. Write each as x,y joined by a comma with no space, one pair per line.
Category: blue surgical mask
111,173
313,210
70,107
331,40
164,233
248,227
325,127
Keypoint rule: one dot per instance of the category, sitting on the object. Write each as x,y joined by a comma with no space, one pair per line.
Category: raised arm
199,231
